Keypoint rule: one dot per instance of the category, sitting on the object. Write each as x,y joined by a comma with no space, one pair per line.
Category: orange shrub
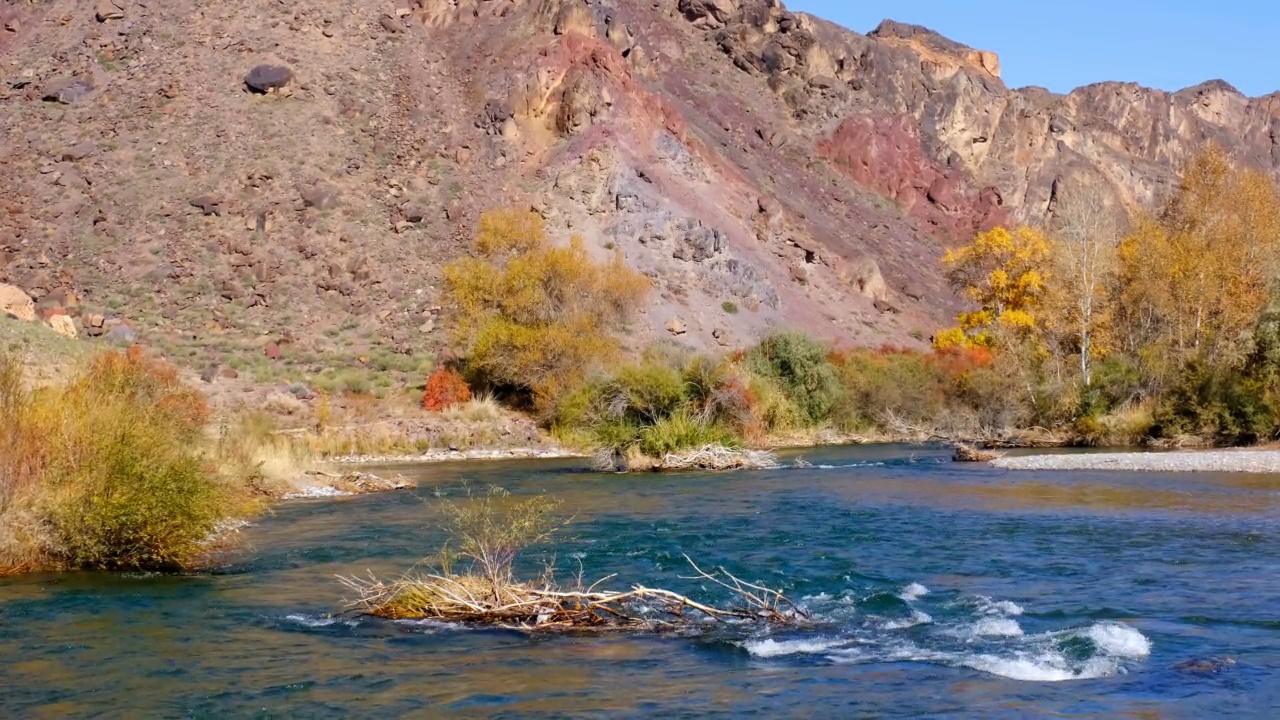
445,388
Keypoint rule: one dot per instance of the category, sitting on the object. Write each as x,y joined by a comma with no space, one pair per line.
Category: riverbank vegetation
1096,329
116,468
474,581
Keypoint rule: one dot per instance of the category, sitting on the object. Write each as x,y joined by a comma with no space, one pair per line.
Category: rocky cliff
765,168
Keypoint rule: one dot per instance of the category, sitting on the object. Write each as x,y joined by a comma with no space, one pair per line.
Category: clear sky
1062,44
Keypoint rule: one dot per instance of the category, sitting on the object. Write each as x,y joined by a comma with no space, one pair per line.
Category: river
941,589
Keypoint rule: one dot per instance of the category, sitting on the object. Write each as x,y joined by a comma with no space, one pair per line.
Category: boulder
79,151
320,196
676,326
105,10
265,78
68,91
63,325
15,302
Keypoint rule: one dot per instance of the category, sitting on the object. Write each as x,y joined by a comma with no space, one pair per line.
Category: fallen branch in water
968,453
472,599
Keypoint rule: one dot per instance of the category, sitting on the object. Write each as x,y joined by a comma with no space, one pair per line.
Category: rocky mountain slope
765,168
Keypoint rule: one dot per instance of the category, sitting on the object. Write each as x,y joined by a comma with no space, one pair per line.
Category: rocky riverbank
1252,461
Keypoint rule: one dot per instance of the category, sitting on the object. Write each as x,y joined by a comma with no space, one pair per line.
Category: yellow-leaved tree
535,317
1194,277
1003,272
1084,242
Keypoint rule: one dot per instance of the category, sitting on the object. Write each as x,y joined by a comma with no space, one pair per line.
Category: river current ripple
940,589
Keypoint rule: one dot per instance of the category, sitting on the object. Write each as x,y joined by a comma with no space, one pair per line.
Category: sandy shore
1254,461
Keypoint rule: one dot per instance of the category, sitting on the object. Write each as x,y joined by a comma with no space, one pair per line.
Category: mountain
767,169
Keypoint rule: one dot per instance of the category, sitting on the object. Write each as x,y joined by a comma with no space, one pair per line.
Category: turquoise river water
940,589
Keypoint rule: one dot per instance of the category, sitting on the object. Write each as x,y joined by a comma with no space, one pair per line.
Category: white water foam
316,491
428,627
914,591
917,618
987,606
1044,667
318,621
850,465
1027,659
1119,639
987,628
770,648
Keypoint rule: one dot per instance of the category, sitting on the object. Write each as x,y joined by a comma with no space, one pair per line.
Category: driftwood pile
474,599
969,453
709,457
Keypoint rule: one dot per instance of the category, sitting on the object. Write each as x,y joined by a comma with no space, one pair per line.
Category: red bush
445,388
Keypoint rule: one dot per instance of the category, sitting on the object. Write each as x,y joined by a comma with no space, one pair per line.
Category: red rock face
883,153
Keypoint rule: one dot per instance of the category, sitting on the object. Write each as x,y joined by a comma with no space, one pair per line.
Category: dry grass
479,409
250,447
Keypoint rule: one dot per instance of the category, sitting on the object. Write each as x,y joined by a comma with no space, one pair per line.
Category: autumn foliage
1172,320
1003,273
107,471
445,388
533,317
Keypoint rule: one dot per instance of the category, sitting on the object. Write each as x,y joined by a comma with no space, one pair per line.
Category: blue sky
1062,44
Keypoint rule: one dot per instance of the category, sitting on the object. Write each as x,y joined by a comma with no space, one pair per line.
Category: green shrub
649,391
1223,403
805,372
729,307
682,431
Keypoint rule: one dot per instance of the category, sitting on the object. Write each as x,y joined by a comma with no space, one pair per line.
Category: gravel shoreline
1247,461
455,455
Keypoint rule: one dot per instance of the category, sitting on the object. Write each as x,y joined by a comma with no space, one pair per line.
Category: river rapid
940,589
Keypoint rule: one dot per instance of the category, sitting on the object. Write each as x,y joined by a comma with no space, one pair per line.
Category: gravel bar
1250,461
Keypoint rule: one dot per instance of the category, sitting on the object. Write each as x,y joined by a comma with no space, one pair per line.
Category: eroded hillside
764,168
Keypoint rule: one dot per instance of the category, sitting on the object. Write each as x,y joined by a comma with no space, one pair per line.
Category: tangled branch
473,599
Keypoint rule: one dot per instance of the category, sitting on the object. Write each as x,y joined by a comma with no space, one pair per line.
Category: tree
1003,273
1195,277
1084,253
534,317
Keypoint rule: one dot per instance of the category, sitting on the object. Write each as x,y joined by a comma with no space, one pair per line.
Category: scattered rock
390,24
266,78
15,302
106,10
320,196
210,373
1211,665
272,351
721,336
68,91
95,325
79,151
208,205
675,326
800,273
884,306
229,373
122,335
63,325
